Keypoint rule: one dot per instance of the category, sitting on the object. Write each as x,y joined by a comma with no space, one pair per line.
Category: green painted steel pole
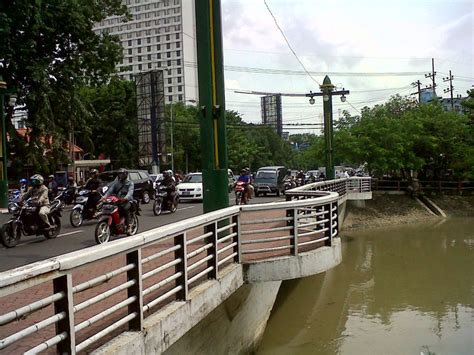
327,89
212,105
3,147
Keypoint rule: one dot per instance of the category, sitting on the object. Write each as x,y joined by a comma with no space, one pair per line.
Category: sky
373,48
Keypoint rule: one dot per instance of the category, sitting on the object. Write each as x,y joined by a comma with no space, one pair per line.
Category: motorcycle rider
245,178
169,182
123,188
94,184
23,186
39,193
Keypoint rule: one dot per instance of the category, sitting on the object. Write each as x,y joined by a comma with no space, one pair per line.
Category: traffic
113,201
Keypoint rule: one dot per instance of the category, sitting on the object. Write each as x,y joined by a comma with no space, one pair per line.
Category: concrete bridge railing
81,300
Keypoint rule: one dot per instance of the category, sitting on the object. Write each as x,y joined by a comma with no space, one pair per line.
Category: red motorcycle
240,193
112,222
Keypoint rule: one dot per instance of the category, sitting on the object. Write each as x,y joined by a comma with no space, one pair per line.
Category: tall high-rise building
160,36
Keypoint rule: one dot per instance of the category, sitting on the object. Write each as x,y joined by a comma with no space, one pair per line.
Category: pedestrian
52,187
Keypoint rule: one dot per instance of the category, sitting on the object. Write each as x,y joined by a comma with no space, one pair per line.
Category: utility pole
451,87
418,85
432,75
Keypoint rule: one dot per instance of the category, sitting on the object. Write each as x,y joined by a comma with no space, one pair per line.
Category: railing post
238,239
213,274
182,254
294,241
135,257
328,208
66,305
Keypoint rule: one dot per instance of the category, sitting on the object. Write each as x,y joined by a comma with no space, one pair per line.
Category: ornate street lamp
327,92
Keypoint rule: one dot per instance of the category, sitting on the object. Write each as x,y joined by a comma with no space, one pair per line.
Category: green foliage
48,51
112,128
400,137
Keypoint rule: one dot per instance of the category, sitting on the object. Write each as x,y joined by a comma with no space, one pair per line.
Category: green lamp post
3,146
327,92
212,105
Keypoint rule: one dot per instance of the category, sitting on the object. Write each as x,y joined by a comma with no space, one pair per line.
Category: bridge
141,294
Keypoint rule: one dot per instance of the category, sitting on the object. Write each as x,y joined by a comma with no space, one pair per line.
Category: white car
191,187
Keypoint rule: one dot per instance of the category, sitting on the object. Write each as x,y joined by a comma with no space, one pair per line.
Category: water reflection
404,290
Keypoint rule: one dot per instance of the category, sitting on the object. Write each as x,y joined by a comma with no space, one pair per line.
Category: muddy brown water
400,290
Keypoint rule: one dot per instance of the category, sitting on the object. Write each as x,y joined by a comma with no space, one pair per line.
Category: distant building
19,118
455,105
427,95
160,36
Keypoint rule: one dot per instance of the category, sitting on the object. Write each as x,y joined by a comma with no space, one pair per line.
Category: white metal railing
93,294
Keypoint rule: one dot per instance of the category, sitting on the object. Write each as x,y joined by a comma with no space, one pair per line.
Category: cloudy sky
373,48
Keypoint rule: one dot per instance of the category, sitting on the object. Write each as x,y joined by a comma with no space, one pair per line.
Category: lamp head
343,98
311,100
326,97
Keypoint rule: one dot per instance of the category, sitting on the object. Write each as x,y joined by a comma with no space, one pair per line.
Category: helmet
167,173
122,174
94,172
37,180
23,181
51,177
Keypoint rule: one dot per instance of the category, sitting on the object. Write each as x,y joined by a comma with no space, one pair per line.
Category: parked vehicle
26,221
163,202
79,212
112,222
13,200
270,179
191,187
143,185
240,195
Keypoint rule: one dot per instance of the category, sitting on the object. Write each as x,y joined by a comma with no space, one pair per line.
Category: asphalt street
35,248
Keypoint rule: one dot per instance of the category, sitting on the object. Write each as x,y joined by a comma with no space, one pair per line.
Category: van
270,179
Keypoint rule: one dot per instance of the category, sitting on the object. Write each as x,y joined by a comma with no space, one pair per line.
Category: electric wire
288,43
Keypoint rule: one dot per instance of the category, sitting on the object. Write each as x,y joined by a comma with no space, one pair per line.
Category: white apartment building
161,35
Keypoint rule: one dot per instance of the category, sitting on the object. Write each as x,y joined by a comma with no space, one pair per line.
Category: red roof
24,133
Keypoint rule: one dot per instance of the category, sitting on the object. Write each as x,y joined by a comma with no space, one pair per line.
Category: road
32,249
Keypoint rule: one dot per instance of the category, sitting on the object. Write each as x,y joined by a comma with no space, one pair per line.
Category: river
401,290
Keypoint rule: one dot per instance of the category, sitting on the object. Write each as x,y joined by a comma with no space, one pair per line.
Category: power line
288,43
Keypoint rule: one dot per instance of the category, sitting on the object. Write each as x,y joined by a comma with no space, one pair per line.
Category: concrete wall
293,267
235,327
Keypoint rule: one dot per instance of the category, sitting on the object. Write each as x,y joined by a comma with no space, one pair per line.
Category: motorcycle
111,222
79,213
66,195
289,184
13,200
26,221
163,202
240,194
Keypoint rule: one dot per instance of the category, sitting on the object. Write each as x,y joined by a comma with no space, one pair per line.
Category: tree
112,126
48,50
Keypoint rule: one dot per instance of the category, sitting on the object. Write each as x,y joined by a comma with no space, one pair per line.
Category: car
143,185
191,187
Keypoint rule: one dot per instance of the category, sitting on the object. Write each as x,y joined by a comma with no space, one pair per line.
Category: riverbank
386,209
